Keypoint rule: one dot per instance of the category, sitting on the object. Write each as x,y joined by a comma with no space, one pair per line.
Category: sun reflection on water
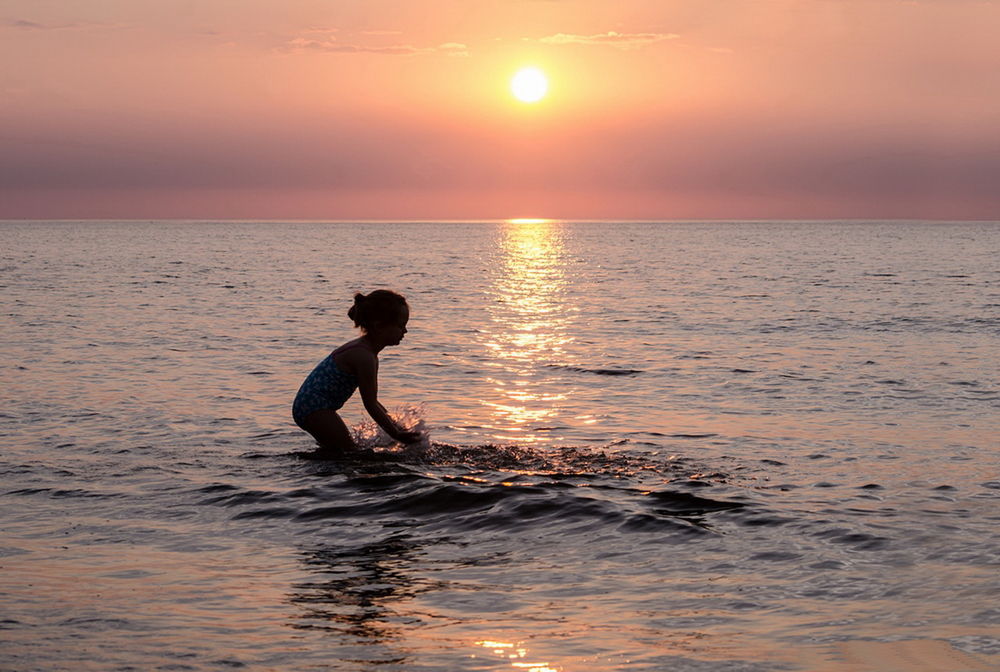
517,655
530,319
530,220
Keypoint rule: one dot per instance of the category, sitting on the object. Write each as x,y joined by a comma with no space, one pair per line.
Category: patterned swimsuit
326,388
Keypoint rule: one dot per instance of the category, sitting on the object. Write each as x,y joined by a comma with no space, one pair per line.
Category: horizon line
510,220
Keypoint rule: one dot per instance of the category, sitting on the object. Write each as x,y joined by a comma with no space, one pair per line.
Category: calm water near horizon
685,446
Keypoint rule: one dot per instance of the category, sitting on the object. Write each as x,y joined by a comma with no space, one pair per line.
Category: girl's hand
408,437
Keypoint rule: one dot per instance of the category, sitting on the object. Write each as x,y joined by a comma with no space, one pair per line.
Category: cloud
24,24
453,49
610,38
332,45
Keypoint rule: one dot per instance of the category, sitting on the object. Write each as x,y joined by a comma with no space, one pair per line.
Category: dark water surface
675,446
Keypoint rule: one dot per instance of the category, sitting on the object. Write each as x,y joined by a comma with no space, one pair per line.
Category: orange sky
381,109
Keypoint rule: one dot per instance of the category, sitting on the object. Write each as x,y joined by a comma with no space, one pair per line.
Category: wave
566,461
470,489
598,372
464,505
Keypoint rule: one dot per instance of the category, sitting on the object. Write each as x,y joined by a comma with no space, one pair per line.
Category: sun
529,85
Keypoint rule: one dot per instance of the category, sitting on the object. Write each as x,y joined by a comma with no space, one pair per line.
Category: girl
382,317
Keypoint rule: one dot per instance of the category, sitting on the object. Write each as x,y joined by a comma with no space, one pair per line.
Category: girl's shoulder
353,352
350,345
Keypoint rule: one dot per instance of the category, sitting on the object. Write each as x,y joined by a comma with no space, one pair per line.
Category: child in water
382,317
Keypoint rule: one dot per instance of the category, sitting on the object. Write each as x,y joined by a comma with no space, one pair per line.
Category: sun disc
529,85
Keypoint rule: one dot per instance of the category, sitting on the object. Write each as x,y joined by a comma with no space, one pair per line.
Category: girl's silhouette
382,317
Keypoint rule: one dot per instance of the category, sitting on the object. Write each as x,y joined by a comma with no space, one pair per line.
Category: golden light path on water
531,322
517,655
532,327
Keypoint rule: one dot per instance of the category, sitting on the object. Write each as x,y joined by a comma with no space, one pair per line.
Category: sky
401,109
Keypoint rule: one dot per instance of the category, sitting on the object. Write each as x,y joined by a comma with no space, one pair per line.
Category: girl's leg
329,431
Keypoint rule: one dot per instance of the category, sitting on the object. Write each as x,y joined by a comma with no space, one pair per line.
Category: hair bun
355,311
381,305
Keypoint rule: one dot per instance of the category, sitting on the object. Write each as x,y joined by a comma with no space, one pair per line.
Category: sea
734,446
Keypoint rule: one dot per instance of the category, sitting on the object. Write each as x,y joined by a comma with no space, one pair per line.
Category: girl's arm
367,375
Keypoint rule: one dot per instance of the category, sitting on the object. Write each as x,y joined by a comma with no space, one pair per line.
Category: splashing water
616,459
408,417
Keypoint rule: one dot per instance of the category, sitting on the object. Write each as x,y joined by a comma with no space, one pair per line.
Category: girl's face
391,333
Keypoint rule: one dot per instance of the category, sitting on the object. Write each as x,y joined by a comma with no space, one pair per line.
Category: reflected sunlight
529,314
516,655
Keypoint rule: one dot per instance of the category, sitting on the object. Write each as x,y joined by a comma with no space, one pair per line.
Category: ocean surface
683,446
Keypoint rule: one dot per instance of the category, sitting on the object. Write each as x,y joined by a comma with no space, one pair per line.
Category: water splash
613,460
409,417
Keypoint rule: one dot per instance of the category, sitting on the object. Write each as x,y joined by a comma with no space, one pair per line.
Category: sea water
688,446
